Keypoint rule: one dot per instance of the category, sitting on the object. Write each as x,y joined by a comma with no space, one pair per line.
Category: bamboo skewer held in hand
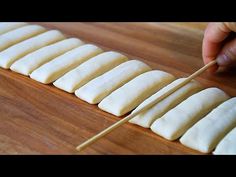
148,106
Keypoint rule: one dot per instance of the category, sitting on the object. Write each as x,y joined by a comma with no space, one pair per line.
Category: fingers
214,35
231,26
227,56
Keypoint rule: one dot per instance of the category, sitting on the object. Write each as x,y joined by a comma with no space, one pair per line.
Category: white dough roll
227,145
8,26
20,34
207,133
89,70
97,89
178,120
130,95
146,118
13,53
56,68
34,60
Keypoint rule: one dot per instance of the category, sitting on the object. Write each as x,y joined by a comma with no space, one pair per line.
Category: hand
219,43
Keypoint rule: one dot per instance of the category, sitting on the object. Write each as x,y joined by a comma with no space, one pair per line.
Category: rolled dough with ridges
146,118
178,120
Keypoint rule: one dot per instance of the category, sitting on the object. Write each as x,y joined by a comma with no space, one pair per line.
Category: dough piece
34,60
56,68
8,26
89,70
227,145
13,53
130,95
97,89
178,120
146,118
20,34
207,133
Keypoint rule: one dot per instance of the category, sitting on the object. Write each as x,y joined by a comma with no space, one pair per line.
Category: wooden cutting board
40,119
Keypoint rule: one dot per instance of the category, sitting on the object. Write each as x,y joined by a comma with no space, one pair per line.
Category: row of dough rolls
207,132
119,85
182,113
48,57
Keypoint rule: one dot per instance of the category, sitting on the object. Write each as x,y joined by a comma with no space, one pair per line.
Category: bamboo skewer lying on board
154,102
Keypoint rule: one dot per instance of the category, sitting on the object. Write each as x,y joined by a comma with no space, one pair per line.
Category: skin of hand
219,43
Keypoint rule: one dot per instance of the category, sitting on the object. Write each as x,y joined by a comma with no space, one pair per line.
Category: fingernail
223,60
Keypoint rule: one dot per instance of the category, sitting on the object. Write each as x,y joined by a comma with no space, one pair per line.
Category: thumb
227,56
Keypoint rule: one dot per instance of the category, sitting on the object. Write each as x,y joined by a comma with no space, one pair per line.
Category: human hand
219,43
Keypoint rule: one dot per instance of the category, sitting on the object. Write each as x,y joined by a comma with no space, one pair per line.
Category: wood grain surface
41,119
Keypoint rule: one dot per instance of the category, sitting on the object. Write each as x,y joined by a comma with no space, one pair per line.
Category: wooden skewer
154,102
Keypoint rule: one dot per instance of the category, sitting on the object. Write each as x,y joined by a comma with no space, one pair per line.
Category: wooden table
40,119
